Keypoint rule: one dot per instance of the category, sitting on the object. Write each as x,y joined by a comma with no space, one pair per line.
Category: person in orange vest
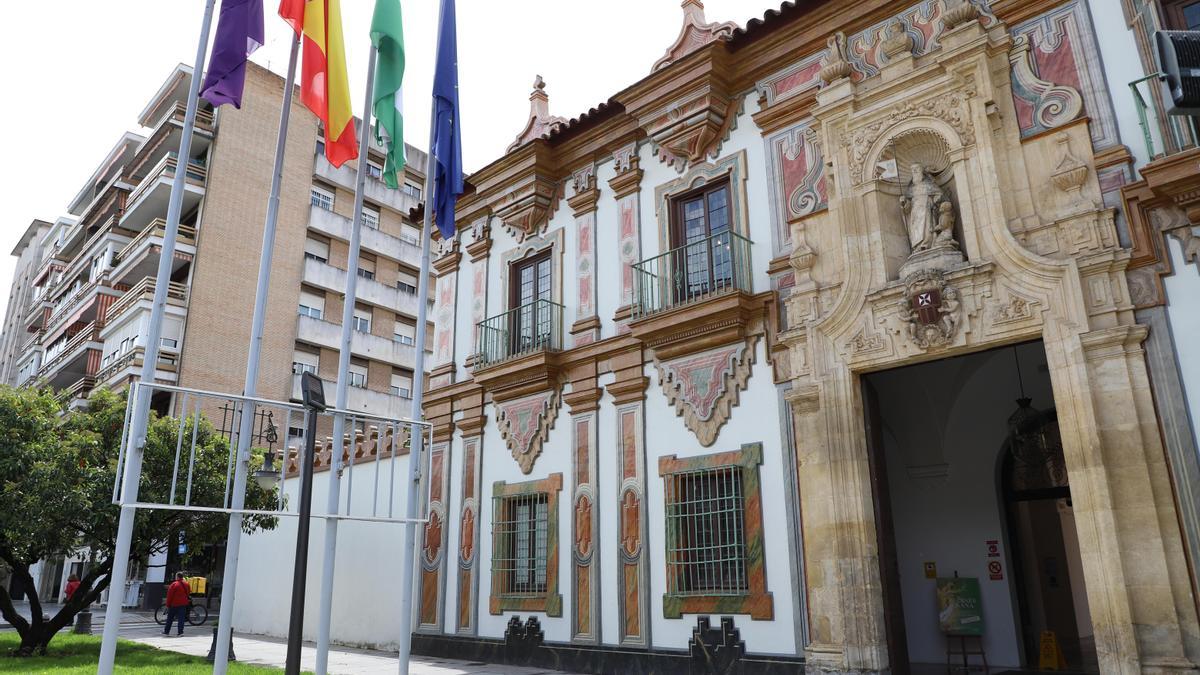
178,599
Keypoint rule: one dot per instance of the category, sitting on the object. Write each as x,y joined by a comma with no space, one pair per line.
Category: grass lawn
70,653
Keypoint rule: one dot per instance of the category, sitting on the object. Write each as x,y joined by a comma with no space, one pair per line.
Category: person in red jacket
72,586
178,599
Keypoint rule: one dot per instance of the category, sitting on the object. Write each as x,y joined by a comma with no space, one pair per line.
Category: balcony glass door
701,230
532,319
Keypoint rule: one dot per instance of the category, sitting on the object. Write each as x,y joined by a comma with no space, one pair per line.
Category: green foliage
57,469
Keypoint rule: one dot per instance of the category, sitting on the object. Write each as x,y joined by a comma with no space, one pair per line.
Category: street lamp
268,476
314,399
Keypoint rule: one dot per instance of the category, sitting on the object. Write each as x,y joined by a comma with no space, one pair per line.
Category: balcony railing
529,328
89,333
134,358
176,295
706,267
196,175
156,228
1175,133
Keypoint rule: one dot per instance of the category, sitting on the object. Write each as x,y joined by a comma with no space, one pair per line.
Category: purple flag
239,33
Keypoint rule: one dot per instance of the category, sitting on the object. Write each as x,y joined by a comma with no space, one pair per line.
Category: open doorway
970,482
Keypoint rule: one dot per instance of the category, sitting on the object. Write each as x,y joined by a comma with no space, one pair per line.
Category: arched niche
916,141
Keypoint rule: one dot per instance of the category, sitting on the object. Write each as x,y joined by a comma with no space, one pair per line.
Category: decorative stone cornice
586,192
629,177
628,390
447,263
583,399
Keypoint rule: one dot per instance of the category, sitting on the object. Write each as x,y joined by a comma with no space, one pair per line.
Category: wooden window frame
549,601
756,601
1173,17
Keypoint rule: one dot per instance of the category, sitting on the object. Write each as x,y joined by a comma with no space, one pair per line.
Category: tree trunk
35,633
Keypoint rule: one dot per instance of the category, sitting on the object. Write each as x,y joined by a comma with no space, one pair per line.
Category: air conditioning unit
1179,59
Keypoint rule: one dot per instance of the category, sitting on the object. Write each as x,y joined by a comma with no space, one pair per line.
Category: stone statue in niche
928,216
922,204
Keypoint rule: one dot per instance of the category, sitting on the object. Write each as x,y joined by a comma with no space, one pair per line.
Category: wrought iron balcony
530,328
706,267
1175,133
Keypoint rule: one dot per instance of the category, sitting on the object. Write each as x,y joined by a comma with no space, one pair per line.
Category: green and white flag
387,34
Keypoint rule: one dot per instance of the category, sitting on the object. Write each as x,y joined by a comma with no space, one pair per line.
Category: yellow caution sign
1050,657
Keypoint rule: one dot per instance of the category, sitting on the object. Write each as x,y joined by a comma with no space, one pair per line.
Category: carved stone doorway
957,494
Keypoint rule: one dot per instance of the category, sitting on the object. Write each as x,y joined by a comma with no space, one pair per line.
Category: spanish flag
324,86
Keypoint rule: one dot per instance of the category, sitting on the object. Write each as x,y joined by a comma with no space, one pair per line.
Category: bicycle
196,614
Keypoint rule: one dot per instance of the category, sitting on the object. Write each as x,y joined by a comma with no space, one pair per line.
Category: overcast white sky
79,71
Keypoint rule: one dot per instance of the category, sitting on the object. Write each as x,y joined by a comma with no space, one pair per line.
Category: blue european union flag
447,135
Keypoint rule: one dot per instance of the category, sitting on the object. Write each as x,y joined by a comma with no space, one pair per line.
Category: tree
57,470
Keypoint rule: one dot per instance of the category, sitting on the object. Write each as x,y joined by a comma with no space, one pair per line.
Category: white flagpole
141,411
233,540
417,442
331,524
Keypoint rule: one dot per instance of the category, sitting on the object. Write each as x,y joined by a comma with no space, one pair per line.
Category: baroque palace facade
760,363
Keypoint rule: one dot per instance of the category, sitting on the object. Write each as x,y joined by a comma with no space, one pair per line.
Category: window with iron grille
715,535
706,534
521,531
525,546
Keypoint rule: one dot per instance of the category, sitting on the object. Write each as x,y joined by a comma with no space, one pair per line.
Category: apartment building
82,295
28,252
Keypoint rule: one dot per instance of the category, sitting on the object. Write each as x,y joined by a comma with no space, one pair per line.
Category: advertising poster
960,606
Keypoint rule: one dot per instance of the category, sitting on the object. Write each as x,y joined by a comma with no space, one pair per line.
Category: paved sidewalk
269,651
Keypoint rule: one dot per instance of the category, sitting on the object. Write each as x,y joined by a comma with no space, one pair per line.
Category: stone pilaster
633,574
445,270
469,525
584,400
586,328
432,546
626,187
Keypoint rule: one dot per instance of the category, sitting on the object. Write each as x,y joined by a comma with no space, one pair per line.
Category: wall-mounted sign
993,548
995,570
930,570
960,606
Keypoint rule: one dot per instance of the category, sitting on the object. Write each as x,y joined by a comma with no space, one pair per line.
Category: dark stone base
535,653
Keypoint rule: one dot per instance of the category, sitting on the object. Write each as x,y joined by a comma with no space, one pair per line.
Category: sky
79,71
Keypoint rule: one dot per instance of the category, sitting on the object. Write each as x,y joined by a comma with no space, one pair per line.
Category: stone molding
704,388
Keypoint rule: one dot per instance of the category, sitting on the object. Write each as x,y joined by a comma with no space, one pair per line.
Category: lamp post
314,399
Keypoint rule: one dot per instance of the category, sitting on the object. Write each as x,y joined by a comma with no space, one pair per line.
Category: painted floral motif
433,537
583,527
467,539
631,533
704,387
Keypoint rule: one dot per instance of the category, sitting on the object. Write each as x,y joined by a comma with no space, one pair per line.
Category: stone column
626,186
584,401
633,575
1137,585
845,596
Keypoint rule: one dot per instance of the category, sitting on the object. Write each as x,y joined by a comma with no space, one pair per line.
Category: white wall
754,420
1183,313
1118,50
366,592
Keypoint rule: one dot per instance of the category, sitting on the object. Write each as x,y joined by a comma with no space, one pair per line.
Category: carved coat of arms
930,309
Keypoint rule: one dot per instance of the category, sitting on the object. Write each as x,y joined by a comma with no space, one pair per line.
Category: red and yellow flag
324,86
